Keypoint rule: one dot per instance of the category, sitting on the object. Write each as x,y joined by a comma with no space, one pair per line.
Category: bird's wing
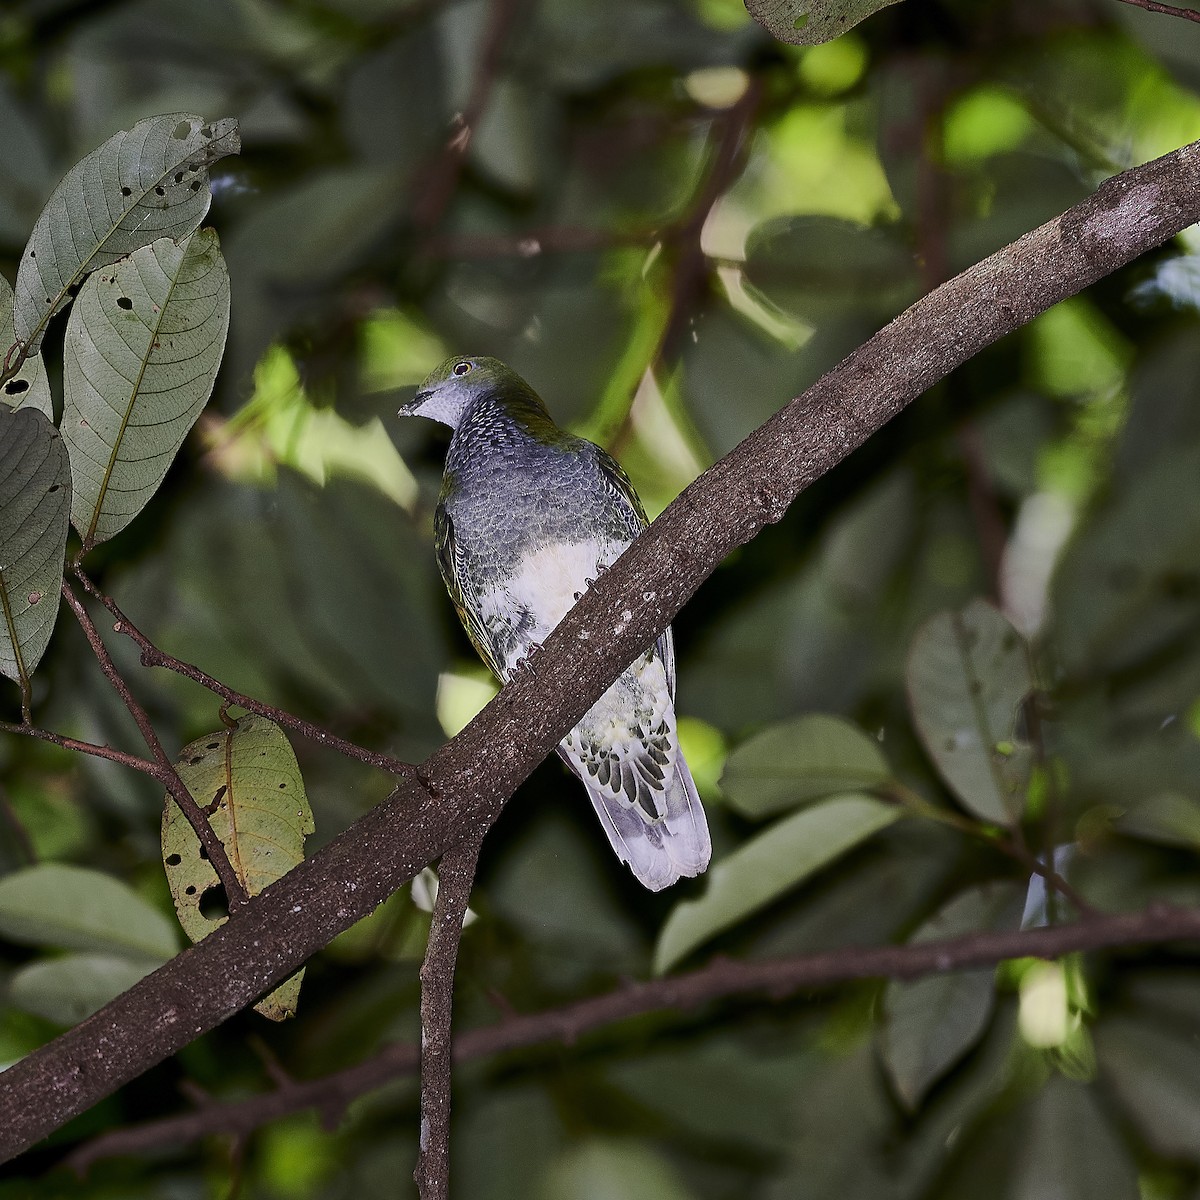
461,587
628,505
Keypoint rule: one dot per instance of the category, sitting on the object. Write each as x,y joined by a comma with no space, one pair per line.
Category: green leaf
35,499
1169,818
788,764
1061,1143
968,673
142,350
247,780
55,904
767,867
29,387
68,989
628,1169
931,1023
1153,1069
1120,594
145,183
814,266
810,22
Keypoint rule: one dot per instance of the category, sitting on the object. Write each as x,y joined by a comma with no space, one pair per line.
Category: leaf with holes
796,761
29,387
247,781
968,674
35,500
142,350
810,22
145,183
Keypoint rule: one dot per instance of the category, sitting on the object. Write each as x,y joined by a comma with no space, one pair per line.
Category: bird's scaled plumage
527,518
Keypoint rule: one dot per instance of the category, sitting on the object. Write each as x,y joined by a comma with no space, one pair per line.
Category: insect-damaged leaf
35,499
247,781
29,387
968,673
809,22
145,183
142,350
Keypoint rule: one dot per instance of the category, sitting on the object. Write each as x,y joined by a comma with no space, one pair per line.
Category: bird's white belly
547,582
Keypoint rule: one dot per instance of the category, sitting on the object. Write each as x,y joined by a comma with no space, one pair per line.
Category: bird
528,517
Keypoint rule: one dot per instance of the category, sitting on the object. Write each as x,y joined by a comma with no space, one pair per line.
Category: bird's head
451,388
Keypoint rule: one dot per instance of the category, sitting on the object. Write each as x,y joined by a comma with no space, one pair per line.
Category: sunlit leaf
142,350
931,1023
800,760
808,22
145,183
968,673
247,780
29,387
35,500
766,867
70,988
55,904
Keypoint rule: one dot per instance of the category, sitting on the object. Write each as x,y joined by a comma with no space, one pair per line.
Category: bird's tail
658,852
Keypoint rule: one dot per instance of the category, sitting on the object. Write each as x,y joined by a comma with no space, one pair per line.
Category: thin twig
440,179
69,743
235,891
720,979
729,139
456,875
1170,10
152,656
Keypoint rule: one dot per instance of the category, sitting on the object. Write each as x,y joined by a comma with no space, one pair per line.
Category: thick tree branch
456,875
722,978
467,780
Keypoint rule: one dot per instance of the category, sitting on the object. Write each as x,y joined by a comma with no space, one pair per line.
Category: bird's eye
461,368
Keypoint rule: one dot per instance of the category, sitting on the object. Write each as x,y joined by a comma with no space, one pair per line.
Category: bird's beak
411,407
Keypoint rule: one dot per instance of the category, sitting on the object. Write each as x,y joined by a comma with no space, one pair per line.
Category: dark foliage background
671,224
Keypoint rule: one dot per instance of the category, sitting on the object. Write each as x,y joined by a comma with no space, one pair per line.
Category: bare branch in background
721,979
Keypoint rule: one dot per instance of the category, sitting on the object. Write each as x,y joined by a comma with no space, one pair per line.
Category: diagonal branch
613,623
235,891
720,979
